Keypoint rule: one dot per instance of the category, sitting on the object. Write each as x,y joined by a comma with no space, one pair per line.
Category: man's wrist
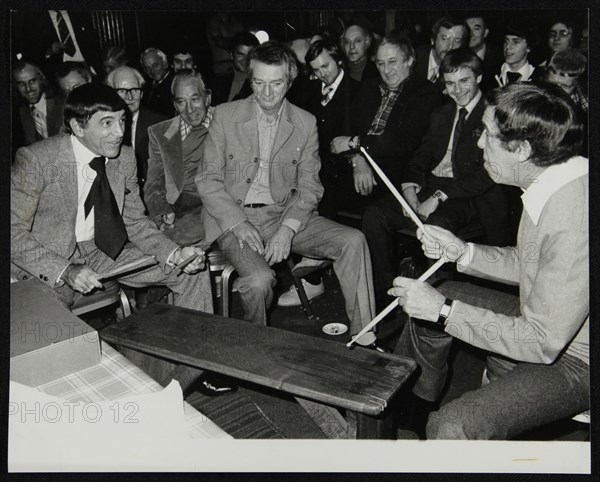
439,196
445,311
173,258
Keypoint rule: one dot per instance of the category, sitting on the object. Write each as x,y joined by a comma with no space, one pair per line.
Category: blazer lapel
173,153
284,131
116,179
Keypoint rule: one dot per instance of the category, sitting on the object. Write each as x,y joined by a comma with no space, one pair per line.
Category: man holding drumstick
538,350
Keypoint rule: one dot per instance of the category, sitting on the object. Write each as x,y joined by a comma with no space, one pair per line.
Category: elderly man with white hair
158,93
129,84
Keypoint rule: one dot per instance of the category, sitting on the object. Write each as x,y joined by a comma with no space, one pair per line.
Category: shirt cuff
444,195
293,224
169,260
467,257
59,281
404,185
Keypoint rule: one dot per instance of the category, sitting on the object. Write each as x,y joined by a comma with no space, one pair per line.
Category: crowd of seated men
259,162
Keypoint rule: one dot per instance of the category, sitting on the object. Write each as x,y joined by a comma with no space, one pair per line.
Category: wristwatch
438,195
445,311
354,144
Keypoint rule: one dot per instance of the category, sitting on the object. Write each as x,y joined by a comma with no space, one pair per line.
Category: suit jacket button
239,201
41,276
24,276
294,161
230,156
45,278
248,180
256,159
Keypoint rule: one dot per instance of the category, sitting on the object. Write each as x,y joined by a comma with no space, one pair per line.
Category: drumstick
394,303
393,189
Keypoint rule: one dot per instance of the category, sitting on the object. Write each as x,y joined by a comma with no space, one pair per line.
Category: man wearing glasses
175,147
259,184
129,83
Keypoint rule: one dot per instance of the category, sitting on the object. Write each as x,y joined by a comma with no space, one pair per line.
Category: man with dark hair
183,59
356,44
129,84
175,154
519,40
158,92
40,112
72,74
259,184
235,85
444,182
490,56
76,210
537,344
446,34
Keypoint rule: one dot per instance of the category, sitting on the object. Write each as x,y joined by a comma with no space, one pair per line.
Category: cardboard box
47,341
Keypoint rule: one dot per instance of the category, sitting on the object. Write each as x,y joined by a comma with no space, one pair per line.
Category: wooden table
325,371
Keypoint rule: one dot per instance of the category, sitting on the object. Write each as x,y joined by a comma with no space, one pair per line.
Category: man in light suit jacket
75,203
171,194
259,184
537,345
41,113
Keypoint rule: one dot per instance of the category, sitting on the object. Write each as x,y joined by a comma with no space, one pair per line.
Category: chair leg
225,277
301,293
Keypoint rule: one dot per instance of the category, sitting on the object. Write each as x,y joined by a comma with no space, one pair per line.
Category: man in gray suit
76,210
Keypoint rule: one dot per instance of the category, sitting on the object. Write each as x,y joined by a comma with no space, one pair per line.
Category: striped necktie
65,36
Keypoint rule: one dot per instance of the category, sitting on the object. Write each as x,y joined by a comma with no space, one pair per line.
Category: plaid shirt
580,99
388,99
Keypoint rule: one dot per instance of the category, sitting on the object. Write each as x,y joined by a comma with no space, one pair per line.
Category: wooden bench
325,371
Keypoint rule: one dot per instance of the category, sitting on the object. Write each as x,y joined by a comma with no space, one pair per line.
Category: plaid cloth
116,377
580,99
388,99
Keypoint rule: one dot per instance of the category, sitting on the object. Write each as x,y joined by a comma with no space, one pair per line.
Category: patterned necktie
65,37
326,95
512,77
434,76
460,123
39,120
110,234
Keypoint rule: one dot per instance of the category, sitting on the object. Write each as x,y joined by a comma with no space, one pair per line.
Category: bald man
355,44
129,84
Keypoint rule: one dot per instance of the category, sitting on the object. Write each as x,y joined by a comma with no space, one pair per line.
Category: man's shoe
291,298
308,265
214,384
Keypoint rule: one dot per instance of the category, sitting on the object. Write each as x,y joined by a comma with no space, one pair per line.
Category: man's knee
374,219
259,282
446,424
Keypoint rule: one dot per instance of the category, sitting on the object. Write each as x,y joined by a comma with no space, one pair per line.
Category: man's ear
523,151
76,127
486,32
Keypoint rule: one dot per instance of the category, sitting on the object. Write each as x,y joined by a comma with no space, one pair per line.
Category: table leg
380,427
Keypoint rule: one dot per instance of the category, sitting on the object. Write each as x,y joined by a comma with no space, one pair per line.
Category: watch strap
445,311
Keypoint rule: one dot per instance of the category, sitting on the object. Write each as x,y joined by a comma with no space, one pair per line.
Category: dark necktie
109,230
512,77
460,123
65,36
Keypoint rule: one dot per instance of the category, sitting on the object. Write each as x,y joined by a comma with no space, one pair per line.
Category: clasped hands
277,247
422,209
418,298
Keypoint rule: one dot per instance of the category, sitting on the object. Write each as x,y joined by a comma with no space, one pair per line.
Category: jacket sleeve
28,181
155,191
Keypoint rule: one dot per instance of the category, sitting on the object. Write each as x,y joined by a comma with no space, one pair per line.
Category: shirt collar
82,154
333,87
550,181
41,104
432,66
471,105
262,117
526,70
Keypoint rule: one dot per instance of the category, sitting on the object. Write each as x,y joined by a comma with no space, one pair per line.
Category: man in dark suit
491,57
235,84
445,181
389,116
76,210
175,147
356,43
40,115
446,34
129,83
157,96
51,37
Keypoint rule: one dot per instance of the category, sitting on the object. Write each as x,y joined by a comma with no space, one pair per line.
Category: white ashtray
335,328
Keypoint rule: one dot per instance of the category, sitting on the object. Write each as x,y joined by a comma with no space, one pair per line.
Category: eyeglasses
559,33
135,92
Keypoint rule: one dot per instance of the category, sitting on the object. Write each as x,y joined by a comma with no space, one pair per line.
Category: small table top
357,379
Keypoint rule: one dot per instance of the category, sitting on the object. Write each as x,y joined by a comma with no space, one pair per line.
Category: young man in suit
259,184
76,210
444,182
519,40
41,113
491,57
175,155
129,84
537,345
